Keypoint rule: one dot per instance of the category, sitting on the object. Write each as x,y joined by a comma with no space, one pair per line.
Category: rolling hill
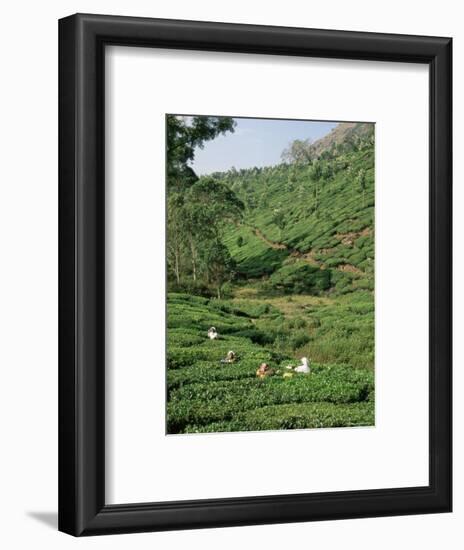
319,214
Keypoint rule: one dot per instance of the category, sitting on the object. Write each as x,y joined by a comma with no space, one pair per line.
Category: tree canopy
184,134
198,209
300,151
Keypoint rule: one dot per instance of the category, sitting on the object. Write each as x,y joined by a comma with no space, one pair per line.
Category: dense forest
199,210
280,259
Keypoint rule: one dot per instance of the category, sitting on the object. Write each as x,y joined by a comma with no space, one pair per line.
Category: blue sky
255,142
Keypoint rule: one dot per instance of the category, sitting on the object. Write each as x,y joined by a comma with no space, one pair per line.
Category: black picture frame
82,508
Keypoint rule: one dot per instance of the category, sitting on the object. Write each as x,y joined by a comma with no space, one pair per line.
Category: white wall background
28,274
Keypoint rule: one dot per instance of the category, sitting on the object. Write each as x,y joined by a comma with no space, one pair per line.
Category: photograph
270,274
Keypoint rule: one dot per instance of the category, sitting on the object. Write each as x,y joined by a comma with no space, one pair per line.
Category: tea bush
201,403
294,416
299,278
203,391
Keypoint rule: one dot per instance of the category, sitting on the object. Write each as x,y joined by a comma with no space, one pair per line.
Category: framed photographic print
255,274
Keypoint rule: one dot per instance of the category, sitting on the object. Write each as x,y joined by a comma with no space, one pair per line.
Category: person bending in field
303,368
230,357
264,370
212,334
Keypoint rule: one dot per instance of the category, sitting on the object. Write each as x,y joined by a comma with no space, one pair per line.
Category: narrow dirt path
272,244
349,238
307,256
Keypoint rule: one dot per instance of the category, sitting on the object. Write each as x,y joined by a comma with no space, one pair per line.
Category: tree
196,218
361,179
316,174
326,170
218,201
300,151
220,264
250,200
176,234
316,170
279,220
184,134
197,229
196,207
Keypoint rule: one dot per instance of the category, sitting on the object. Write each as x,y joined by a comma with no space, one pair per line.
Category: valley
286,272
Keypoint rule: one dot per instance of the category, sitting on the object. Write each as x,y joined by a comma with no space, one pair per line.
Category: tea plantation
287,272
205,395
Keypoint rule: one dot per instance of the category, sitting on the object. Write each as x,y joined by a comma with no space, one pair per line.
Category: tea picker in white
230,357
303,368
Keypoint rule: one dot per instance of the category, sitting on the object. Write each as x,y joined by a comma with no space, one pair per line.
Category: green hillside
283,267
320,214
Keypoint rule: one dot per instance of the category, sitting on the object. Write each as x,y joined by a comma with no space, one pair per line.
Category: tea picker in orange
264,370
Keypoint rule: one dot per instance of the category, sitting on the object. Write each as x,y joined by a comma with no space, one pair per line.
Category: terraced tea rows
207,395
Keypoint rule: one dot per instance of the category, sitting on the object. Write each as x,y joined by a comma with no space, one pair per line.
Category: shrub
183,338
298,322
187,357
294,416
203,403
257,336
299,339
299,278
